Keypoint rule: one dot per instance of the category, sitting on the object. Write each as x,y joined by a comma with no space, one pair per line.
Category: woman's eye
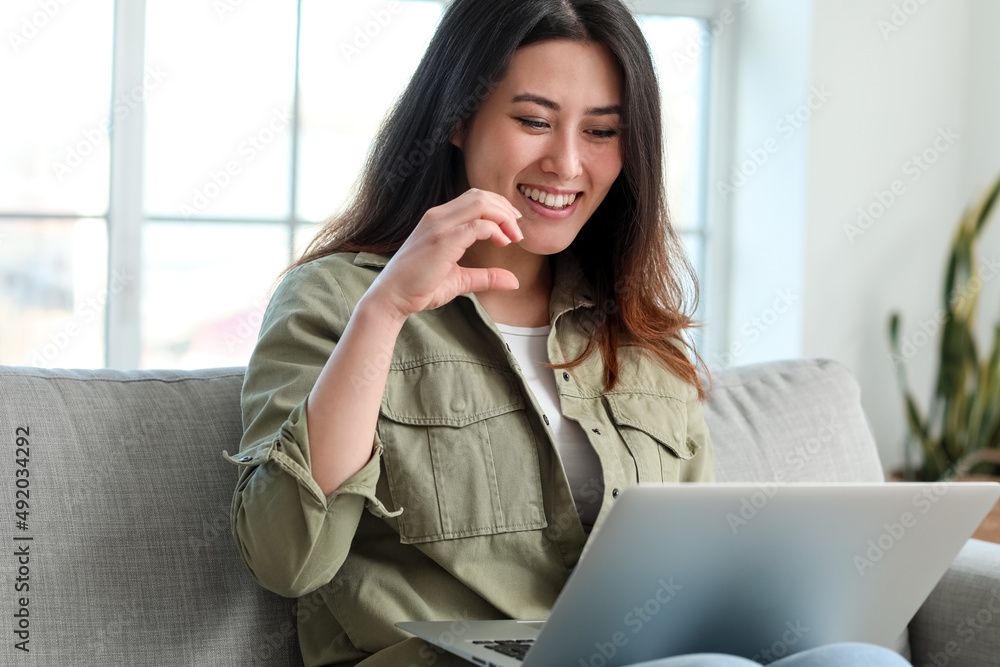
533,124
605,134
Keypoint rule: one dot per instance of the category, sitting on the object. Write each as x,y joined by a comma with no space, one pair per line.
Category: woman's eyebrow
549,104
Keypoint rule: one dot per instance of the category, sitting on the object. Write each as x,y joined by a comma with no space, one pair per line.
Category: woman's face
547,139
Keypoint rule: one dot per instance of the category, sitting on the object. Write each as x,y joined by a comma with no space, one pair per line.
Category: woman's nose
563,157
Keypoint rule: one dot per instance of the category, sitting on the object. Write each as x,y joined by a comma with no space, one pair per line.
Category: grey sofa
130,559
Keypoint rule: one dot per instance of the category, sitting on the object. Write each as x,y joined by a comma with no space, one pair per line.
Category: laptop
759,571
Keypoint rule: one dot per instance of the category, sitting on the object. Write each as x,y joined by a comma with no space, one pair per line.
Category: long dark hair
628,249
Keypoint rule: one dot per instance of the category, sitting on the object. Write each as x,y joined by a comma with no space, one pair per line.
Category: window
181,153
683,78
54,176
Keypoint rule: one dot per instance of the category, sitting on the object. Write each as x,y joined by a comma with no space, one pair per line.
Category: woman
467,366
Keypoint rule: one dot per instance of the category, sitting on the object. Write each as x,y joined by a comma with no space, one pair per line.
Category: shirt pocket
459,452
654,427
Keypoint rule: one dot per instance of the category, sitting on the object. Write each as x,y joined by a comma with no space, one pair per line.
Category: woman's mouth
547,199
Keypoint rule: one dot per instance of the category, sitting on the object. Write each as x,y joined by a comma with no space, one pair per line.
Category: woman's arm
314,387
343,407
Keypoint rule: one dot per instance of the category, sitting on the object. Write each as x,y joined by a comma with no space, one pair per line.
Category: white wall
892,95
898,92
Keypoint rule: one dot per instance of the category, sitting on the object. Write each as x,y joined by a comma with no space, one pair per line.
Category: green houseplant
960,432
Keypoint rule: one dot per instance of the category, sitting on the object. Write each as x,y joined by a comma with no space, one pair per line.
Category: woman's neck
527,306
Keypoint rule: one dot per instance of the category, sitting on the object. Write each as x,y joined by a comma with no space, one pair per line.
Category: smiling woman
471,362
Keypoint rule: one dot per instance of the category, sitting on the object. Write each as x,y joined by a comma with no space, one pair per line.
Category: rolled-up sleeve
292,537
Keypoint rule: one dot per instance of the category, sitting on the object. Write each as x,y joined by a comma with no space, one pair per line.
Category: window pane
682,66
55,71
356,58
219,125
303,236
205,287
53,292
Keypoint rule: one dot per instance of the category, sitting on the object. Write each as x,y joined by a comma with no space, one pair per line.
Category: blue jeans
832,655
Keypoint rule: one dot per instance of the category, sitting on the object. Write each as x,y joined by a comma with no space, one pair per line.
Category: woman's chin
543,246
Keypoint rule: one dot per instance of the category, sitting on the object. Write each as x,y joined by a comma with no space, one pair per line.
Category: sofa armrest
959,624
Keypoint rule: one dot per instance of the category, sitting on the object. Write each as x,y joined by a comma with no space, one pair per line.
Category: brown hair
627,249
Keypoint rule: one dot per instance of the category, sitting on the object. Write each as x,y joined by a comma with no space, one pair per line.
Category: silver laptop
759,571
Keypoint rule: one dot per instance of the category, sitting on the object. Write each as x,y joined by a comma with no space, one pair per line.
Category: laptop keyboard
515,648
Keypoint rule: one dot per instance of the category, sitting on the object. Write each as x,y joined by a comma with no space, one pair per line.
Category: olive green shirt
464,510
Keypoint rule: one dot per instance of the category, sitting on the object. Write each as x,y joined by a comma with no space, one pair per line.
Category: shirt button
246,458
566,376
458,405
546,419
614,494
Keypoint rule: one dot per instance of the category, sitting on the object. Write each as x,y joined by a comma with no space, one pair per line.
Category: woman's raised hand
424,273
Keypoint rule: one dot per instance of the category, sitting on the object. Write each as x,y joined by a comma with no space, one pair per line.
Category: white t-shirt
579,460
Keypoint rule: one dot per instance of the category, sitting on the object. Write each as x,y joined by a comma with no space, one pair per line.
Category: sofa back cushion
790,421
131,560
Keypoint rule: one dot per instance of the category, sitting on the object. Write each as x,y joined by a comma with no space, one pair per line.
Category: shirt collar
570,289
371,259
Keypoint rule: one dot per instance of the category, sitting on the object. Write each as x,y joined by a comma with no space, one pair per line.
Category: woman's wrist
375,306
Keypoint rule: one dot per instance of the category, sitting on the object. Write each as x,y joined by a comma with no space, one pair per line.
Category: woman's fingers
482,280
482,229
480,204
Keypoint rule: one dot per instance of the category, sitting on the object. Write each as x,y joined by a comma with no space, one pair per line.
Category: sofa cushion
131,558
790,421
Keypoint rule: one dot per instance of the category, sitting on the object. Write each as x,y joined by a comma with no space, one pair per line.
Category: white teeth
547,198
